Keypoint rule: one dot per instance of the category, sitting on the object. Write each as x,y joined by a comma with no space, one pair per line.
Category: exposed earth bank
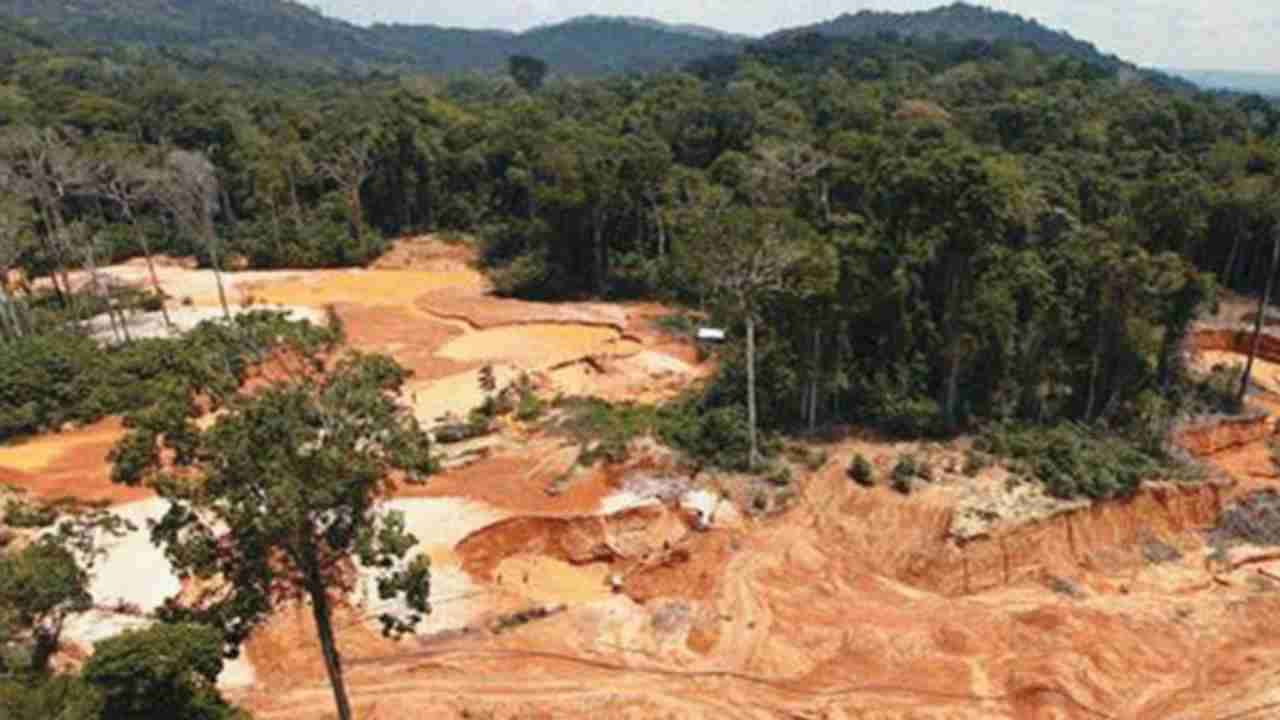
639,592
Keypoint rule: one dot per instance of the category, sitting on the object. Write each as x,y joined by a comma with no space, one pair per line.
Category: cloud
1215,34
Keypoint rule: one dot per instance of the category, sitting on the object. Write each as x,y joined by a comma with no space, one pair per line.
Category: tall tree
40,587
168,670
15,241
1258,322
747,255
278,494
127,182
192,193
46,167
349,166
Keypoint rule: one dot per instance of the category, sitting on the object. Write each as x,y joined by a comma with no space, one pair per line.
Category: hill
699,31
959,21
590,45
1244,82
286,33
277,32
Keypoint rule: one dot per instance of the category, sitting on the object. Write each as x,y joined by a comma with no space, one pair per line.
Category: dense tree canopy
1014,235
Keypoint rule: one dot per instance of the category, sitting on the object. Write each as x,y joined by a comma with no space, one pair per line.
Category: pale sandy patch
134,572
455,394
551,581
625,500
184,319
536,346
86,629
438,524
363,287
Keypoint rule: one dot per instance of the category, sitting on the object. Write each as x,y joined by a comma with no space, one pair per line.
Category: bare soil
566,592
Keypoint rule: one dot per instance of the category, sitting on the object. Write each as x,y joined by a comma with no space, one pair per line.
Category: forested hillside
970,232
962,21
921,237
586,46
286,34
278,32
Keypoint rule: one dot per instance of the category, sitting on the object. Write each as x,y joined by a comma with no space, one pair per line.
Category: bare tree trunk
1093,372
100,289
754,458
11,329
329,647
813,380
21,327
1258,322
215,259
114,313
293,198
356,214
597,244
662,230
952,391
1231,261
155,279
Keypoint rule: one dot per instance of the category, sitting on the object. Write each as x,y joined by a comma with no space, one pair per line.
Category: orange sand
381,287
537,346
70,464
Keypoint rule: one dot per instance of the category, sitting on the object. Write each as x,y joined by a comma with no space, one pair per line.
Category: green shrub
860,471
905,468
528,406
321,240
716,437
54,378
974,463
40,697
817,460
779,475
606,431
676,324
1217,391
167,670
1073,461
27,515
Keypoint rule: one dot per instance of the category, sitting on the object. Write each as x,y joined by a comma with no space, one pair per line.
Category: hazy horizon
1231,35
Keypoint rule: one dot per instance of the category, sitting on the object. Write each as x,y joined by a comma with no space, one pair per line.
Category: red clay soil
410,336
1209,439
517,481
1237,341
857,604
806,619
69,465
853,603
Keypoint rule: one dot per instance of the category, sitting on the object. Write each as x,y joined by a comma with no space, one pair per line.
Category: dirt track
853,603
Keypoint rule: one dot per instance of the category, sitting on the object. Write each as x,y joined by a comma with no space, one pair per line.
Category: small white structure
711,335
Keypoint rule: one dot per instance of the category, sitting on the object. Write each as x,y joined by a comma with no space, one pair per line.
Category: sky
1183,34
